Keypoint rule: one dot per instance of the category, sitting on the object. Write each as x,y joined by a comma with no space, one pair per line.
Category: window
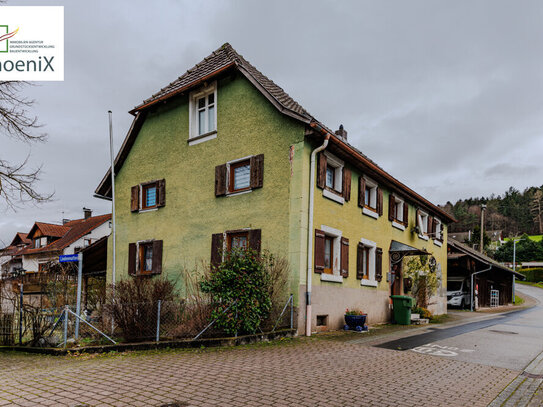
331,254
148,195
246,238
87,242
145,257
422,223
241,175
333,178
237,240
203,114
370,197
368,263
398,212
40,242
438,232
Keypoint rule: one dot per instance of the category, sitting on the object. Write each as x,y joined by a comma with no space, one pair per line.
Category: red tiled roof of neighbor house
226,58
74,230
20,238
48,229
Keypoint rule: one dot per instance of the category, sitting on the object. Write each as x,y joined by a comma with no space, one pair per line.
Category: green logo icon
4,44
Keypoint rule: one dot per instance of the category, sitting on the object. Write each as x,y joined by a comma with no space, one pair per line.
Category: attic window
203,115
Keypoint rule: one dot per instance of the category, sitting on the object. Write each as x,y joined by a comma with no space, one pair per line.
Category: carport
486,274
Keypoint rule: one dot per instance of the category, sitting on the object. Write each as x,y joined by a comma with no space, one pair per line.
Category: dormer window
203,114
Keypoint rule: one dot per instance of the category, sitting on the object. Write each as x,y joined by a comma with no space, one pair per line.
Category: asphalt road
509,340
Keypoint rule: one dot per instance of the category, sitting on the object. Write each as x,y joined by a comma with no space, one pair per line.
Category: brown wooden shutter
391,205
360,261
255,239
132,255
344,257
361,191
405,213
378,264
321,171
257,171
220,180
157,256
161,187
379,201
216,249
319,251
135,199
430,225
346,184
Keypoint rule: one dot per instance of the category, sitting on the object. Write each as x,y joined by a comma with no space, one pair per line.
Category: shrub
424,313
533,275
134,305
241,282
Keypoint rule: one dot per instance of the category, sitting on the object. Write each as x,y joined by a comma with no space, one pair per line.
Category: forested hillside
514,212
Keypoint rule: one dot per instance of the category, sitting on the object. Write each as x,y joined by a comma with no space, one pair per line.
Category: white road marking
440,350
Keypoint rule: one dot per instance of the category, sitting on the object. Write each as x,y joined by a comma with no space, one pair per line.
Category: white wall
97,233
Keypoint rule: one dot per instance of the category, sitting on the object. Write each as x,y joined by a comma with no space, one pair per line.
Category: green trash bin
401,305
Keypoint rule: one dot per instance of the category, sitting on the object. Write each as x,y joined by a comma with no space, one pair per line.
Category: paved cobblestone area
297,373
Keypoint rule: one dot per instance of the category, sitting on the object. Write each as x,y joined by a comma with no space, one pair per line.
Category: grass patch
539,285
519,300
439,319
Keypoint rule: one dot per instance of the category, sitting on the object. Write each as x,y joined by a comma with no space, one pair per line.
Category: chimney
87,212
342,133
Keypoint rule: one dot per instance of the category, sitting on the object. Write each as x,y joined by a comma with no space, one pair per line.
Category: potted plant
355,320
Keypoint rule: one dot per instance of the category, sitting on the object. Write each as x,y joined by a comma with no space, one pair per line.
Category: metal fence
125,323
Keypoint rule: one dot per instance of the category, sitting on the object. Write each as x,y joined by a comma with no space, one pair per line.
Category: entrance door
396,283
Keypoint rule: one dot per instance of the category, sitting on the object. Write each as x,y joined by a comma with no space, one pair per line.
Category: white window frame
335,194
194,136
422,222
398,219
439,232
370,281
228,164
336,276
371,211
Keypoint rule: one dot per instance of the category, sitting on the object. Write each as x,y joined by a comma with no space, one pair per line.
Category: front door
396,279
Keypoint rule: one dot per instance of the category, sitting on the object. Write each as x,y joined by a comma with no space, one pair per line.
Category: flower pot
356,322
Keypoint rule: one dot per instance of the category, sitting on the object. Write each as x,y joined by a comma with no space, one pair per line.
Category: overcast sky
446,96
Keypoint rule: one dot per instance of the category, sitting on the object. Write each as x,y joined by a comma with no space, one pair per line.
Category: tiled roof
225,58
75,229
48,229
20,238
221,59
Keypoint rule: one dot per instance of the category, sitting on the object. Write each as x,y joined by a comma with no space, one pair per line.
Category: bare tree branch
17,182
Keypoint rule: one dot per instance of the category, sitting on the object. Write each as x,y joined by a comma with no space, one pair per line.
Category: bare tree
17,181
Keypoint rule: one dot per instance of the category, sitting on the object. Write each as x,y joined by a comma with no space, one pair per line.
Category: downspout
472,274
310,236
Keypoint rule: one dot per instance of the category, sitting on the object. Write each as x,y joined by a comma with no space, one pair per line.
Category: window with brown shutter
360,253
361,191
220,180
145,258
157,257
378,264
321,171
216,249
430,226
240,176
391,207
135,198
344,257
319,251
346,184
257,171
161,187
132,253
255,239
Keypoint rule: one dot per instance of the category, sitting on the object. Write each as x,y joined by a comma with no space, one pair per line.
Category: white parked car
458,294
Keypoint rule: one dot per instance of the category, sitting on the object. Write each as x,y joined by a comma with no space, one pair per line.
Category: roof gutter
471,290
310,235
381,172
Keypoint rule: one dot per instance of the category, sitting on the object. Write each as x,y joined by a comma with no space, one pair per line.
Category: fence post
158,321
291,311
236,320
65,326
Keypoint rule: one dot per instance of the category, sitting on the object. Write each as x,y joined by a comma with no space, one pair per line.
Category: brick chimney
87,212
341,133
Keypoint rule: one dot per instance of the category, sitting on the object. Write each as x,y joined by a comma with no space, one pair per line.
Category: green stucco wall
247,124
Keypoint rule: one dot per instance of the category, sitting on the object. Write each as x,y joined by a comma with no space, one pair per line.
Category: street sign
68,257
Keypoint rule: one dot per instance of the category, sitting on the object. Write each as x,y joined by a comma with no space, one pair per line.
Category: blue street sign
68,257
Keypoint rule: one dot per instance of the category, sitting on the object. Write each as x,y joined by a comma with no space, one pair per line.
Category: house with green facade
222,157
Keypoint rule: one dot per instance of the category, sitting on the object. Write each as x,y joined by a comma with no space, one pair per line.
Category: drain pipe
472,274
310,236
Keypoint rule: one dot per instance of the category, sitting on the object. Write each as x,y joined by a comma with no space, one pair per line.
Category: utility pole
483,209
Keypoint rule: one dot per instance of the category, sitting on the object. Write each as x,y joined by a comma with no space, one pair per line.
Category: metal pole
78,304
514,254
158,321
113,270
66,325
291,311
21,315
513,289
